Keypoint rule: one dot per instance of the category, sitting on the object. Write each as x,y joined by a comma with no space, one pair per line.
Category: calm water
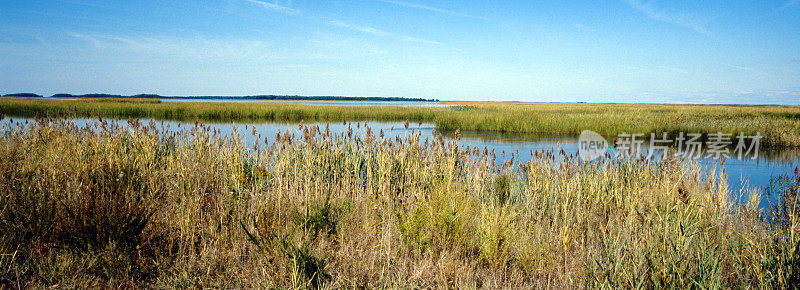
742,173
304,102
319,103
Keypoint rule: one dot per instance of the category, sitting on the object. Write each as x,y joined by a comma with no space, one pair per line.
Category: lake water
320,103
741,173
303,102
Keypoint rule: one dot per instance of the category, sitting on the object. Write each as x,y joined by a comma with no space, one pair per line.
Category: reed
107,206
779,124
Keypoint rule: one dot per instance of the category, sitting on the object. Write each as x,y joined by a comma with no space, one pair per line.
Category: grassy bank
779,124
114,207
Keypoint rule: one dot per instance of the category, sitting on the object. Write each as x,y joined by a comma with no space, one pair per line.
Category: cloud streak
8,39
94,41
275,7
157,48
581,26
339,23
747,69
788,4
433,9
378,32
683,20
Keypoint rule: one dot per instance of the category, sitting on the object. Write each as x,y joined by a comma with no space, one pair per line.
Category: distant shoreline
255,97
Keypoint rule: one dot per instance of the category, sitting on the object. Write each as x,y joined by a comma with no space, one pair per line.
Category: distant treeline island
256,97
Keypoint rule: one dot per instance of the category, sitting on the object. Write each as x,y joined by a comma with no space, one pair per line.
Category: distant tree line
257,97
23,95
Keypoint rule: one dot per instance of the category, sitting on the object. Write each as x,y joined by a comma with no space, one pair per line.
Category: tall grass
107,206
779,124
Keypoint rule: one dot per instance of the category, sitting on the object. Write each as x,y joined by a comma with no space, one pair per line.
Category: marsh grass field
135,206
779,124
111,206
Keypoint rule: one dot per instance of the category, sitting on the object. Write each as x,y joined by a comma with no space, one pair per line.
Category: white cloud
581,26
789,4
275,7
339,23
432,9
684,20
94,41
366,29
660,69
155,47
747,69
7,39
375,31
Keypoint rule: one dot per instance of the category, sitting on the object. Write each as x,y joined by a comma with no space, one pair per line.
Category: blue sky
594,51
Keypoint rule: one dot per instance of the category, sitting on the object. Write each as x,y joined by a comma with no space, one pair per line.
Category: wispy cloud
747,69
788,4
339,23
8,39
433,9
375,31
684,20
581,26
94,41
206,49
366,29
660,69
785,5
41,40
275,7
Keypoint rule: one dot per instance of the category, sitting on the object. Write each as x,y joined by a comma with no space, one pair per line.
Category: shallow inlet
742,174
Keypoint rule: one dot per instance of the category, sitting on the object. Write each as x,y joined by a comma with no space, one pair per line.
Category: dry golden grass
135,207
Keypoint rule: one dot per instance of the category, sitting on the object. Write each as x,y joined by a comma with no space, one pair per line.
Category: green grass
779,124
114,207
